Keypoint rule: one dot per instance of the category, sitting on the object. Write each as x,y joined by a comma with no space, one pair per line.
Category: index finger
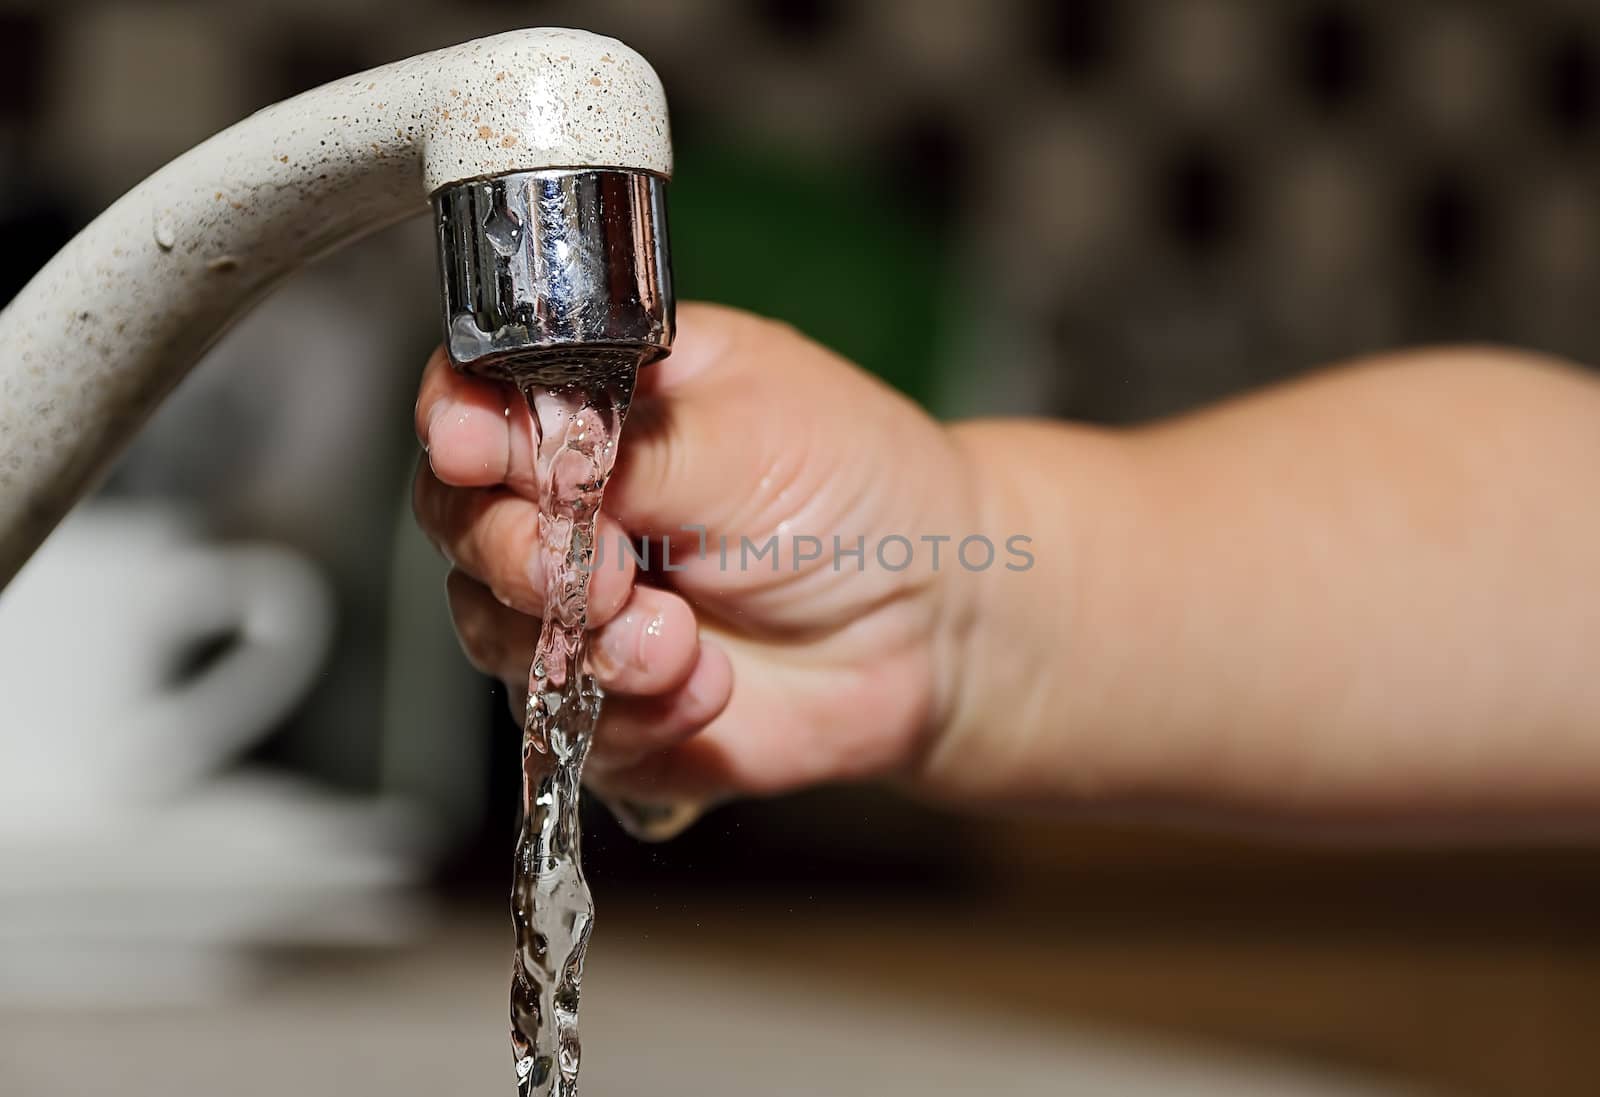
477,433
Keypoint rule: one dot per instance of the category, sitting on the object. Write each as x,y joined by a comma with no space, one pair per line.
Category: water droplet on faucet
166,234
503,231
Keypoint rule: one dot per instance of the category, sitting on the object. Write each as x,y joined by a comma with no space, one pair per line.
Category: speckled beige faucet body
92,344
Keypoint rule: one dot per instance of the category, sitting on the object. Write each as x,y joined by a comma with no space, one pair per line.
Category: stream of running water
576,427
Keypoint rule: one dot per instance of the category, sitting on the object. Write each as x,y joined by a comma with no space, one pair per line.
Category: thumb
714,425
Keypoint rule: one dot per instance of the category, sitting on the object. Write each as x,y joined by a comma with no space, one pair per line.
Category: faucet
543,153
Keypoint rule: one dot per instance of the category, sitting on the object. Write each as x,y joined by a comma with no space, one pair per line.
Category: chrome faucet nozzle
555,276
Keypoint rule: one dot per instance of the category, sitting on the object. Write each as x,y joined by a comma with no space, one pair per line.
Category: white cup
96,718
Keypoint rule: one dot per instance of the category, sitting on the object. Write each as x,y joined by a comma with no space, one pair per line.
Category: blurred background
1105,209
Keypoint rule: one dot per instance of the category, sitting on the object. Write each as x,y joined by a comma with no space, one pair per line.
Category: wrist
1024,690
991,647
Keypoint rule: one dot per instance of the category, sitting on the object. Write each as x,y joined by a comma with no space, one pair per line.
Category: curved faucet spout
94,342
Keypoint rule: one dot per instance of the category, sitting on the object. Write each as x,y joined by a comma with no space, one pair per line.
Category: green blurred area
829,247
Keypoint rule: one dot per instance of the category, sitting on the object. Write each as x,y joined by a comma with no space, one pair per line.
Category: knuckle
421,490
431,502
428,393
504,540
479,638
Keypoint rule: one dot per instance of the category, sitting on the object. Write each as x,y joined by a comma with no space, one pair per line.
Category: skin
1366,600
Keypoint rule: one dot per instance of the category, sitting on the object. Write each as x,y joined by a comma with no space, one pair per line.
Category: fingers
633,728
496,640
719,428
770,735
651,648
680,462
696,771
671,728
683,460
477,433
492,534
692,454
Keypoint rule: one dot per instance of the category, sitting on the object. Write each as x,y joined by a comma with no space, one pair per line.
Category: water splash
576,431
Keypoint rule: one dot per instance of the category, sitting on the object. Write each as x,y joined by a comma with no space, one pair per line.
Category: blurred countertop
679,999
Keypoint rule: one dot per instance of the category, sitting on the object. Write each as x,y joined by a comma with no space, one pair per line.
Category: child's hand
1365,598
740,673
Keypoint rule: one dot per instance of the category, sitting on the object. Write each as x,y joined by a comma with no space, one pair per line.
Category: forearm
1369,596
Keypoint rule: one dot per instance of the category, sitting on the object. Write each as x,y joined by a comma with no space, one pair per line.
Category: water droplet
503,232
166,234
